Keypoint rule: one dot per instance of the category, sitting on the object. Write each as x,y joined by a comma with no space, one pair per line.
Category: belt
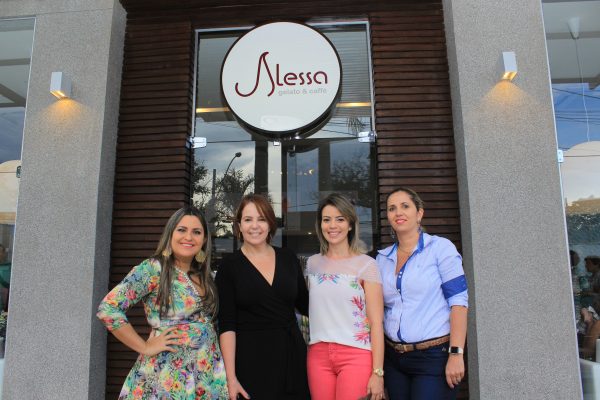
406,347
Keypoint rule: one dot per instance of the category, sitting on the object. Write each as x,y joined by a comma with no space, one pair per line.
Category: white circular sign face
281,78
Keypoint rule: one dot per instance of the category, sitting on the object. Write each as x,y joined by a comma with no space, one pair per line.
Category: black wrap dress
270,353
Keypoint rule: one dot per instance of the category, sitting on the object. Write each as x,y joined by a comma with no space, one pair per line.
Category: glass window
573,37
16,39
294,173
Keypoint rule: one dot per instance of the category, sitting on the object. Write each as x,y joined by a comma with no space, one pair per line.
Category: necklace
189,281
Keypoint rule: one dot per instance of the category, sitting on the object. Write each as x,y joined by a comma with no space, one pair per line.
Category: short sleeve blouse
337,307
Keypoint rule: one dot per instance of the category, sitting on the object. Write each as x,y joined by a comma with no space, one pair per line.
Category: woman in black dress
259,287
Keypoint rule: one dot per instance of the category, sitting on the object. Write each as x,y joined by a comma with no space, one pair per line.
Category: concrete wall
521,336
55,347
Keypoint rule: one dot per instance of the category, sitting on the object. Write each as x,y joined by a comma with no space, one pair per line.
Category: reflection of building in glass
295,172
574,55
584,206
16,37
580,169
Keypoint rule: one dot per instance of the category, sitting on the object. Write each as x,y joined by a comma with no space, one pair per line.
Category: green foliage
354,175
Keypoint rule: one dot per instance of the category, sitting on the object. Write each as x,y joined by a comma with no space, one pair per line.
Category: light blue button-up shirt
418,299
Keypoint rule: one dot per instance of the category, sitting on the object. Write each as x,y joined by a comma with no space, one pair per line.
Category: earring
200,256
392,233
166,252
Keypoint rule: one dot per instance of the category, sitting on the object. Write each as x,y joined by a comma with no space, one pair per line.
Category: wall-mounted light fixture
509,63
367,137
197,142
60,85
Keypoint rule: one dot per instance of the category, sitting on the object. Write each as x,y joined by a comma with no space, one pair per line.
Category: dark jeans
418,375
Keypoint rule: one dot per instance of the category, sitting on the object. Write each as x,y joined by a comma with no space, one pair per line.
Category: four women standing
416,292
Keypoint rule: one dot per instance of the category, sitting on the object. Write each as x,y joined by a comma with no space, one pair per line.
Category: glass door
295,173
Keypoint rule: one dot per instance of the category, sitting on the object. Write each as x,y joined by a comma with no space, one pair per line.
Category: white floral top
337,309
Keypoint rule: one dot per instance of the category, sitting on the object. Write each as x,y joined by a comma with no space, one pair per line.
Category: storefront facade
422,88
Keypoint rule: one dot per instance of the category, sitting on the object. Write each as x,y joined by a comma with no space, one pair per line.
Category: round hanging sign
281,78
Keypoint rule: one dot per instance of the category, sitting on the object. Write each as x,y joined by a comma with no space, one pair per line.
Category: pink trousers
338,372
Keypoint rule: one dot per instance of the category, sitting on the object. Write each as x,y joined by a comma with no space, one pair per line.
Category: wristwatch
455,350
378,372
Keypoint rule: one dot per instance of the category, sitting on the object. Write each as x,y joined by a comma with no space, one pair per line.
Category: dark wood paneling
413,114
414,119
153,162
412,105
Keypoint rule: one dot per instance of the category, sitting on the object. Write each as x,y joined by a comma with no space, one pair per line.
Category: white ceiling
561,46
556,15
16,37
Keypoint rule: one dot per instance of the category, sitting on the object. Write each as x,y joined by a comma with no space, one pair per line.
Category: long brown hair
201,270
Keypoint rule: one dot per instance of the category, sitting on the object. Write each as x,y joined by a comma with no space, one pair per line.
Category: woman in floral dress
345,356
181,359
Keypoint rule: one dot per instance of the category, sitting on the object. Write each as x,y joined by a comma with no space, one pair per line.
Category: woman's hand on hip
163,342
235,389
455,370
375,387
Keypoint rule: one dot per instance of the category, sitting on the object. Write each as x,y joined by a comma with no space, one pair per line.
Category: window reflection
294,173
574,57
16,37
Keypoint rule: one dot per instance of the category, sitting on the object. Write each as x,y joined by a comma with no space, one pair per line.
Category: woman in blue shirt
425,300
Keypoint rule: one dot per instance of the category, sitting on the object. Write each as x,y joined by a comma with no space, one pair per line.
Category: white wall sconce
60,85
197,142
509,63
367,137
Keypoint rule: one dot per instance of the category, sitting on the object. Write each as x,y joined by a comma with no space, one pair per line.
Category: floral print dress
195,370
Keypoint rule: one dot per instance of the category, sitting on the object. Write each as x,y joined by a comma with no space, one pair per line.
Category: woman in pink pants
345,356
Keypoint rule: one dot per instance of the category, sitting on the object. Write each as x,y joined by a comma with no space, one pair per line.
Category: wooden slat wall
413,118
412,103
153,164
413,110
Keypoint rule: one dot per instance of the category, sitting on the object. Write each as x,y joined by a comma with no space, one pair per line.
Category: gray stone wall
521,336
56,349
